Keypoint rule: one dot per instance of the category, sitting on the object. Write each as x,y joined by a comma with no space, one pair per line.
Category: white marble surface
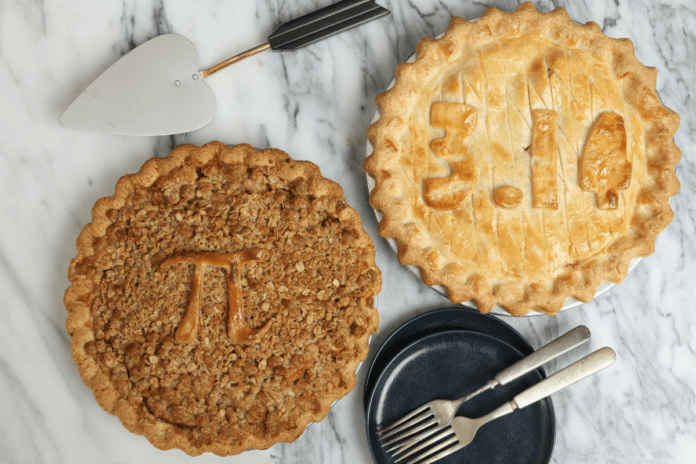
314,104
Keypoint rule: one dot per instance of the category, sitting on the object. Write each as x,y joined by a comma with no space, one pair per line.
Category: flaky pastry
523,159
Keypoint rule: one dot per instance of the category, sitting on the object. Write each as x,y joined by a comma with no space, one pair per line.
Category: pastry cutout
237,329
459,122
605,168
544,159
508,197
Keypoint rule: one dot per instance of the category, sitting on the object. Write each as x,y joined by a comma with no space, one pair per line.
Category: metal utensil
443,442
157,89
441,412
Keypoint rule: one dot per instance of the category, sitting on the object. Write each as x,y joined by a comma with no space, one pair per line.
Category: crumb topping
314,291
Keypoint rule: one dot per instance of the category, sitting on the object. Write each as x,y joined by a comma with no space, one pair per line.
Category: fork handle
585,367
590,364
559,346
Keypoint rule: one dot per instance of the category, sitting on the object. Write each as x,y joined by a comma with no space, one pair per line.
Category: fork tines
429,435
414,418
444,443
408,439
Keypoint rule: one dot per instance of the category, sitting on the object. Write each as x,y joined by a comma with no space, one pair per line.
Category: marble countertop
315,104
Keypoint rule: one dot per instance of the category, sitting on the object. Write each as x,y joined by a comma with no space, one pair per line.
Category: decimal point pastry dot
222,299
522,160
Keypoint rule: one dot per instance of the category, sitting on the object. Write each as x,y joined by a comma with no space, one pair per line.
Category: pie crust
222,299
523,159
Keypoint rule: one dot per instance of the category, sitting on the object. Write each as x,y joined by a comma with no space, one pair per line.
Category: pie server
157,88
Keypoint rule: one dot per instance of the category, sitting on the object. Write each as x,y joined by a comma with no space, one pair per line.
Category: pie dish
523,159
222,299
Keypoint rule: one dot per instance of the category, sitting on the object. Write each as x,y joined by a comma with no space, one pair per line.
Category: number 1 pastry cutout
544,159
237,329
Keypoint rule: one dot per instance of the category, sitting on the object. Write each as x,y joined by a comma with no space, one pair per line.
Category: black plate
450,364
437,321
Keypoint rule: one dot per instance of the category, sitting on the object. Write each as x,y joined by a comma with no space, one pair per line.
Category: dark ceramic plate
450,364
437,321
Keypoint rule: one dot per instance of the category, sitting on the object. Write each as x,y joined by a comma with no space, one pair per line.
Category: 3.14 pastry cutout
604,168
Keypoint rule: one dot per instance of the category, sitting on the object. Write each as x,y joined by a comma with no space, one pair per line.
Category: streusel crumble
222,299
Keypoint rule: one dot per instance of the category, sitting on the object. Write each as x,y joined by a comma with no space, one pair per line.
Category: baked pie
222,299
523,159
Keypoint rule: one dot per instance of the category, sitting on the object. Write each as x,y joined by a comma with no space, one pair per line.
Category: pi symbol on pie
237,329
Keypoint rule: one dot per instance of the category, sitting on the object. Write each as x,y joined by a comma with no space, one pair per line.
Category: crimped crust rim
161,434
651,216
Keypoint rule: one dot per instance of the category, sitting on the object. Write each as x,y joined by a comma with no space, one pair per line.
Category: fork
463,429
441,412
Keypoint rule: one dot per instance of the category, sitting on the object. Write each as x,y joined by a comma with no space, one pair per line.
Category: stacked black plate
448,353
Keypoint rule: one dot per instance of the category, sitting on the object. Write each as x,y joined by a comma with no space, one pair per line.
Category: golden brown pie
523,159
222,299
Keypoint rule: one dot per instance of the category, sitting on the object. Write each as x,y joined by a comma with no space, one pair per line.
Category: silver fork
441,412
463,429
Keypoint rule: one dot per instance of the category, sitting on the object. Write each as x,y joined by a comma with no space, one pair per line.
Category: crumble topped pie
523,159
222,299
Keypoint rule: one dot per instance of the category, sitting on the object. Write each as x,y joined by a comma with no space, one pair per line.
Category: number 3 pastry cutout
459,122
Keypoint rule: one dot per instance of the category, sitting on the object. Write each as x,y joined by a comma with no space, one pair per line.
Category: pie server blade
157,88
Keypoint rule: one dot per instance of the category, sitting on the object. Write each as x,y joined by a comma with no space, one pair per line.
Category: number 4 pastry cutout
605,168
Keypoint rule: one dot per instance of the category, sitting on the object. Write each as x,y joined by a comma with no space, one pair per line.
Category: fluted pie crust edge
414,244
84,277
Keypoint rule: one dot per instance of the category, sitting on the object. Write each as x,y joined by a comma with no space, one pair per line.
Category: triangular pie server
157,88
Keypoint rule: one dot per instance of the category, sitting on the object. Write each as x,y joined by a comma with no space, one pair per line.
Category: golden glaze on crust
311,283
538,82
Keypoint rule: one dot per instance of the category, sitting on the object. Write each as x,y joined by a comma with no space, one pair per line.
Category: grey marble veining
315,104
